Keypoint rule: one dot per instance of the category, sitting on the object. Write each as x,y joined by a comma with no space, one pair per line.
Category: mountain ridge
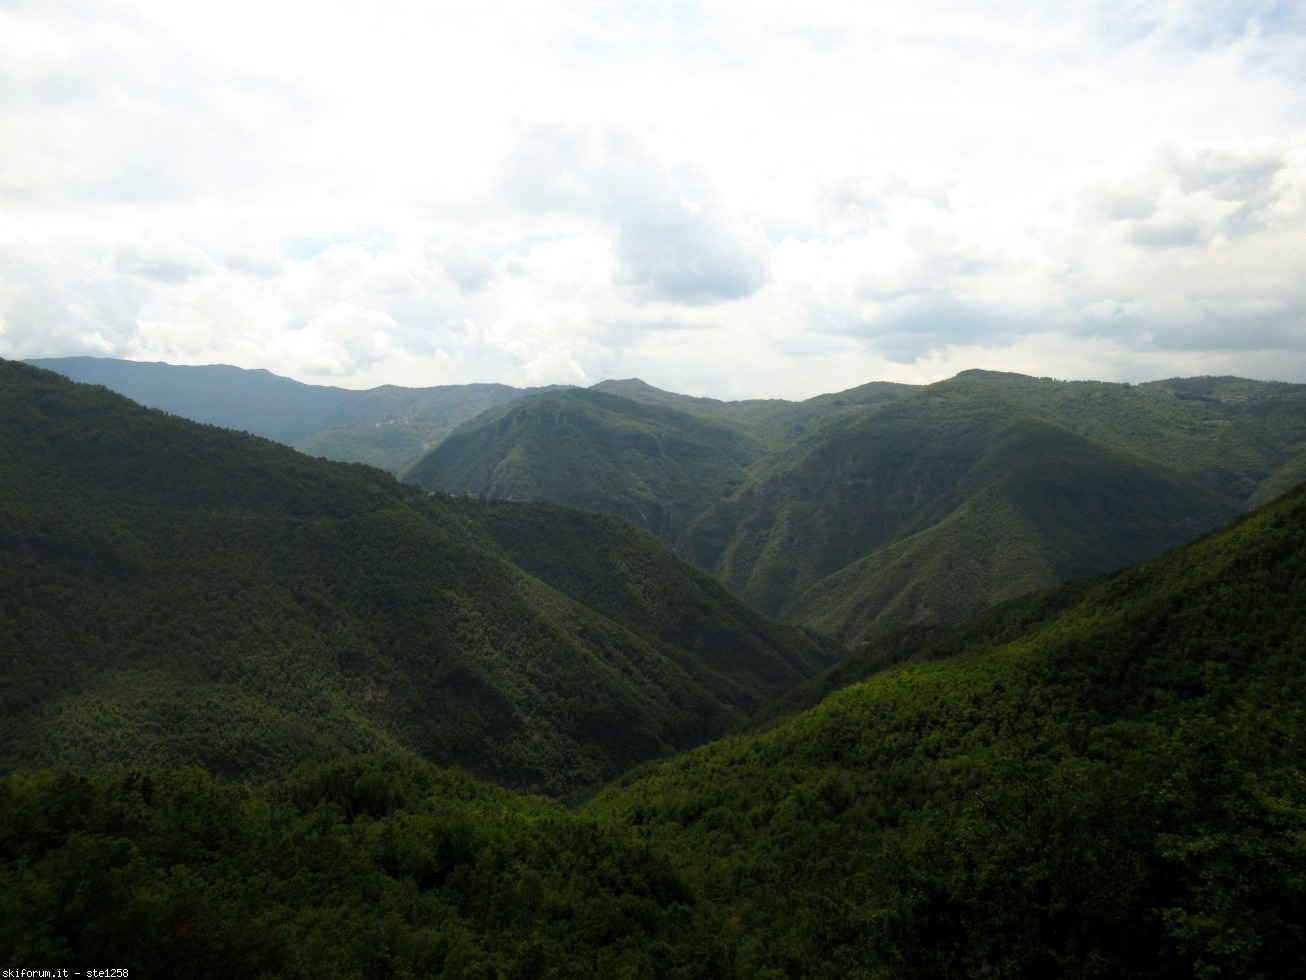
821,526
274,608
1102,780
387,426
849,512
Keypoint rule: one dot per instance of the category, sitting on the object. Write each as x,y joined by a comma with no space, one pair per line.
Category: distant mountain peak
987,373
637,389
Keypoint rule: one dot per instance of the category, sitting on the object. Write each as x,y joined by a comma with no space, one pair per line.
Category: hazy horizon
723,199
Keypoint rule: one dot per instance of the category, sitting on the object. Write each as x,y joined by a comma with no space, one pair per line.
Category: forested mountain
773,419
655,457
884,505
389,426
173,593
850,513
1100,781
654,465
1104,780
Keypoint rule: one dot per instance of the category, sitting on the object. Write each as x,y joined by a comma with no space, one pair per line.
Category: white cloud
163,258
466,269
340,340
254,261
674,240
737,199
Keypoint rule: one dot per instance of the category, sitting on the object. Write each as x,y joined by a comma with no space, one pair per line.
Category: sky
723,198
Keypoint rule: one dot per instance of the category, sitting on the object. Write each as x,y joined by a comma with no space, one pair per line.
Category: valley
852,513
271,715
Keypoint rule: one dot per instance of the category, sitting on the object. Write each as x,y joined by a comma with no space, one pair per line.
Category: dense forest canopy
236,678
851,513
181,594
1102,781
886,505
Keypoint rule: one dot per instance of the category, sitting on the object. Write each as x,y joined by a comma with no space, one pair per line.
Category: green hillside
1040,505
254,401
851,512
388,426
391,445
957,495
775,420
657,458
656,466
856,512
1100,781
614,569
173,594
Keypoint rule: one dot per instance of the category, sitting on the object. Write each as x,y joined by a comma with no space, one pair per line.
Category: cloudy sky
730,198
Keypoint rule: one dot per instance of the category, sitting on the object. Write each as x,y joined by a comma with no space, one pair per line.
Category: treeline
857,513
1105,781
366,867
176,594
1102,781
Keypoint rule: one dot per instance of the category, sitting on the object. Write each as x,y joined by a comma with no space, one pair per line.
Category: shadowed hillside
173,593
1103,781
389,426
651,464
1099,781
885,505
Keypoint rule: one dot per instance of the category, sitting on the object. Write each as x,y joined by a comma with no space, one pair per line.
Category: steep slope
1101,781
619,571
856,512
389,426
656,466
173,593
935,504
774,420
1040,505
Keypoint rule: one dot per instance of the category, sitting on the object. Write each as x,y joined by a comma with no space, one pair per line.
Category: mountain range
389,426
175,593
888,505
1098,780
857,512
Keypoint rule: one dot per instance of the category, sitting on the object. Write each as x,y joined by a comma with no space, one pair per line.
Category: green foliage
1040,505
173,594
1100,781
391,445
389,427
939,503
359,868
1103,781
634,582
858,512
774,420
653,465
851,513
